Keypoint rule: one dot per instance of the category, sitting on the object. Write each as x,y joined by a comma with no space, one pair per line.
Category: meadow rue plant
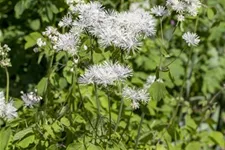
105,74
192,39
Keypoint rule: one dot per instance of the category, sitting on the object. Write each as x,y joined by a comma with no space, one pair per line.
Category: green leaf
190,122
62,83
193,146
35,24
42,86
27,141
31,39
93,147
19,135
65,121
210,13
158,91
76,146
218,138
5,135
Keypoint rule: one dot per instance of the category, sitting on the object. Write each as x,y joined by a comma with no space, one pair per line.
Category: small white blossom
50,31
192,39
105,74
40,42
180,18
136,96
4,60
159,11
30,98
66,21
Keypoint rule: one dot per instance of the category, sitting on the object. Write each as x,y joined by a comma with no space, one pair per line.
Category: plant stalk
139,130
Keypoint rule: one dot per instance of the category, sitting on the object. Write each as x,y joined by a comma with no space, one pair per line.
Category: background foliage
187,111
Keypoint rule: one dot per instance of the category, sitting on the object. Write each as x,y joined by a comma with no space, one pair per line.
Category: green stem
7,84
139,130
110,120
120,112
98,110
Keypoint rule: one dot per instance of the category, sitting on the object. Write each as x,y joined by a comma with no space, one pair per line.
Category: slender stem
120,112
7,84
139,130
110,120
98,110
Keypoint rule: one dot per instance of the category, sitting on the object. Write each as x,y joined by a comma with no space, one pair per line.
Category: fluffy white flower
122,30
7,110
159,11
30,98
90,15
40,42
66,21
192,39
10,111
105,74
179,7
67,42
136,96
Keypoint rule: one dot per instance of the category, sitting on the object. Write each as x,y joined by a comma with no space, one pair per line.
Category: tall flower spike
192,39
105,74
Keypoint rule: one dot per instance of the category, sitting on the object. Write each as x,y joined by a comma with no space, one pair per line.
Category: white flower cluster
150,80
66,42
137,96
105,74
122,30
30,98
4,60
7,110
183,7
192,39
